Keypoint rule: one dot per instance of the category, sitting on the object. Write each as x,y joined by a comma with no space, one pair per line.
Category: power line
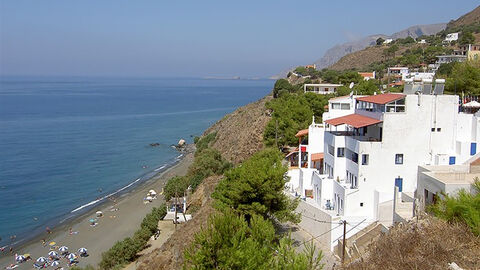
320,235
321,221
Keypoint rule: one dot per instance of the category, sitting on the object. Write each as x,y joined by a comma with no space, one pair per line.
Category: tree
256,188
379,41
465,77
291,113
330,76
230,242
466,38
349,76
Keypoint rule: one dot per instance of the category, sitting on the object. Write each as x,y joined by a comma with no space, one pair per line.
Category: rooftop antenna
351,86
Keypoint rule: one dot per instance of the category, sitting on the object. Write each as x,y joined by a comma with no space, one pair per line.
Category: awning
354,120
302,133
317,156
292,152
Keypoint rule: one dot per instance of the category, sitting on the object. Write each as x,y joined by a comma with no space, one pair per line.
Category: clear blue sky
194,38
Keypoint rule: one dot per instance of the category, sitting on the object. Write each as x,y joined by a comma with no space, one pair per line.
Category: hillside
239,135
469,18
334,54
365,57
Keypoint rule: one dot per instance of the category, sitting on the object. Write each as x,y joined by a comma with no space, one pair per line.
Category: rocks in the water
181,143
154,144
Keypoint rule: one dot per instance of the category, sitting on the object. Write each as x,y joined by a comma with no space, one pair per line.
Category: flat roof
323,84
382,98
454,178
354,120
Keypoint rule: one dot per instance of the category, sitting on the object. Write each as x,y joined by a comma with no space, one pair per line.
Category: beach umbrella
63,249
148,198
71,256
82,250
55,263
92,220
42,260
20,258
52,244
152,192
53,253
99,213
472,104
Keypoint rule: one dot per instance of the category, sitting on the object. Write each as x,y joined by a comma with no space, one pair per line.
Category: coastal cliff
238,136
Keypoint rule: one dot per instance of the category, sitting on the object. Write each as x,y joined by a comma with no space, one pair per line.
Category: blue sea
67,141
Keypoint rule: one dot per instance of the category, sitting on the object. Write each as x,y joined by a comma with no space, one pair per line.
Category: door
473,148
399,183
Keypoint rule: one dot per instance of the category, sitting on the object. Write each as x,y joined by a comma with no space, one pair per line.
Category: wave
105,197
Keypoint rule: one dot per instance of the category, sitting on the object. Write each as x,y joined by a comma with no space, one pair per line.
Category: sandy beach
113,226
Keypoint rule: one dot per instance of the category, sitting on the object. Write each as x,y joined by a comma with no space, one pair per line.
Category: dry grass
428,244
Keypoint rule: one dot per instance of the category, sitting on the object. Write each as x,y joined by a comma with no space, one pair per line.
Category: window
439,129
340,152
451,161
361,204
398,158
355,157
364,159
396,106
336,106
345,106
331,150
433,129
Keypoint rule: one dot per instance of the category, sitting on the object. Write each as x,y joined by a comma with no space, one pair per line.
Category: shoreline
114,226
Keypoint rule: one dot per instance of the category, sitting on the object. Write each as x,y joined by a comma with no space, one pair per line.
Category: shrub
464,208
230,242
125,251
203,143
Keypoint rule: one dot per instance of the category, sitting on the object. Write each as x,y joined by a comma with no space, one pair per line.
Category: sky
194,38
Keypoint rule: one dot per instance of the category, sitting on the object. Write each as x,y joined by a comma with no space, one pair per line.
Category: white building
436,180
451,37
367,75
378,148
388,41
321,88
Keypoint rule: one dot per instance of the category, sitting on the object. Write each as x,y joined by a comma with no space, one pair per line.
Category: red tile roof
317,156
382,98
354,120
366,74
302,133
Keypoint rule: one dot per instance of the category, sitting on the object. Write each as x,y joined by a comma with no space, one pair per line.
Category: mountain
333,54
469,18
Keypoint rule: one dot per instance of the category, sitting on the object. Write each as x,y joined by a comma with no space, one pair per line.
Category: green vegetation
282,86
230,242
256,188
466,37
125,251
207,162
465,77
464,208
242,234
293,110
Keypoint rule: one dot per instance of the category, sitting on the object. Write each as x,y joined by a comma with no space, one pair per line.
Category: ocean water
65,142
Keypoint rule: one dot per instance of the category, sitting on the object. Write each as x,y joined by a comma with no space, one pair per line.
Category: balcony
354,135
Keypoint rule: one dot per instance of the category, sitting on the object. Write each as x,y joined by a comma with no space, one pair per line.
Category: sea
67,143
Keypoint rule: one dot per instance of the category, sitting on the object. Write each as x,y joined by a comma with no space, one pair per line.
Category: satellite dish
351,85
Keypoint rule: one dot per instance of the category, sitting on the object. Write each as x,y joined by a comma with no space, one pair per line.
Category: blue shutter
399,184
451,161
473,148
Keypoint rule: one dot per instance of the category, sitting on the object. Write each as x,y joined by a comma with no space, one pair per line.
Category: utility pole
175,220
344,240
276,131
